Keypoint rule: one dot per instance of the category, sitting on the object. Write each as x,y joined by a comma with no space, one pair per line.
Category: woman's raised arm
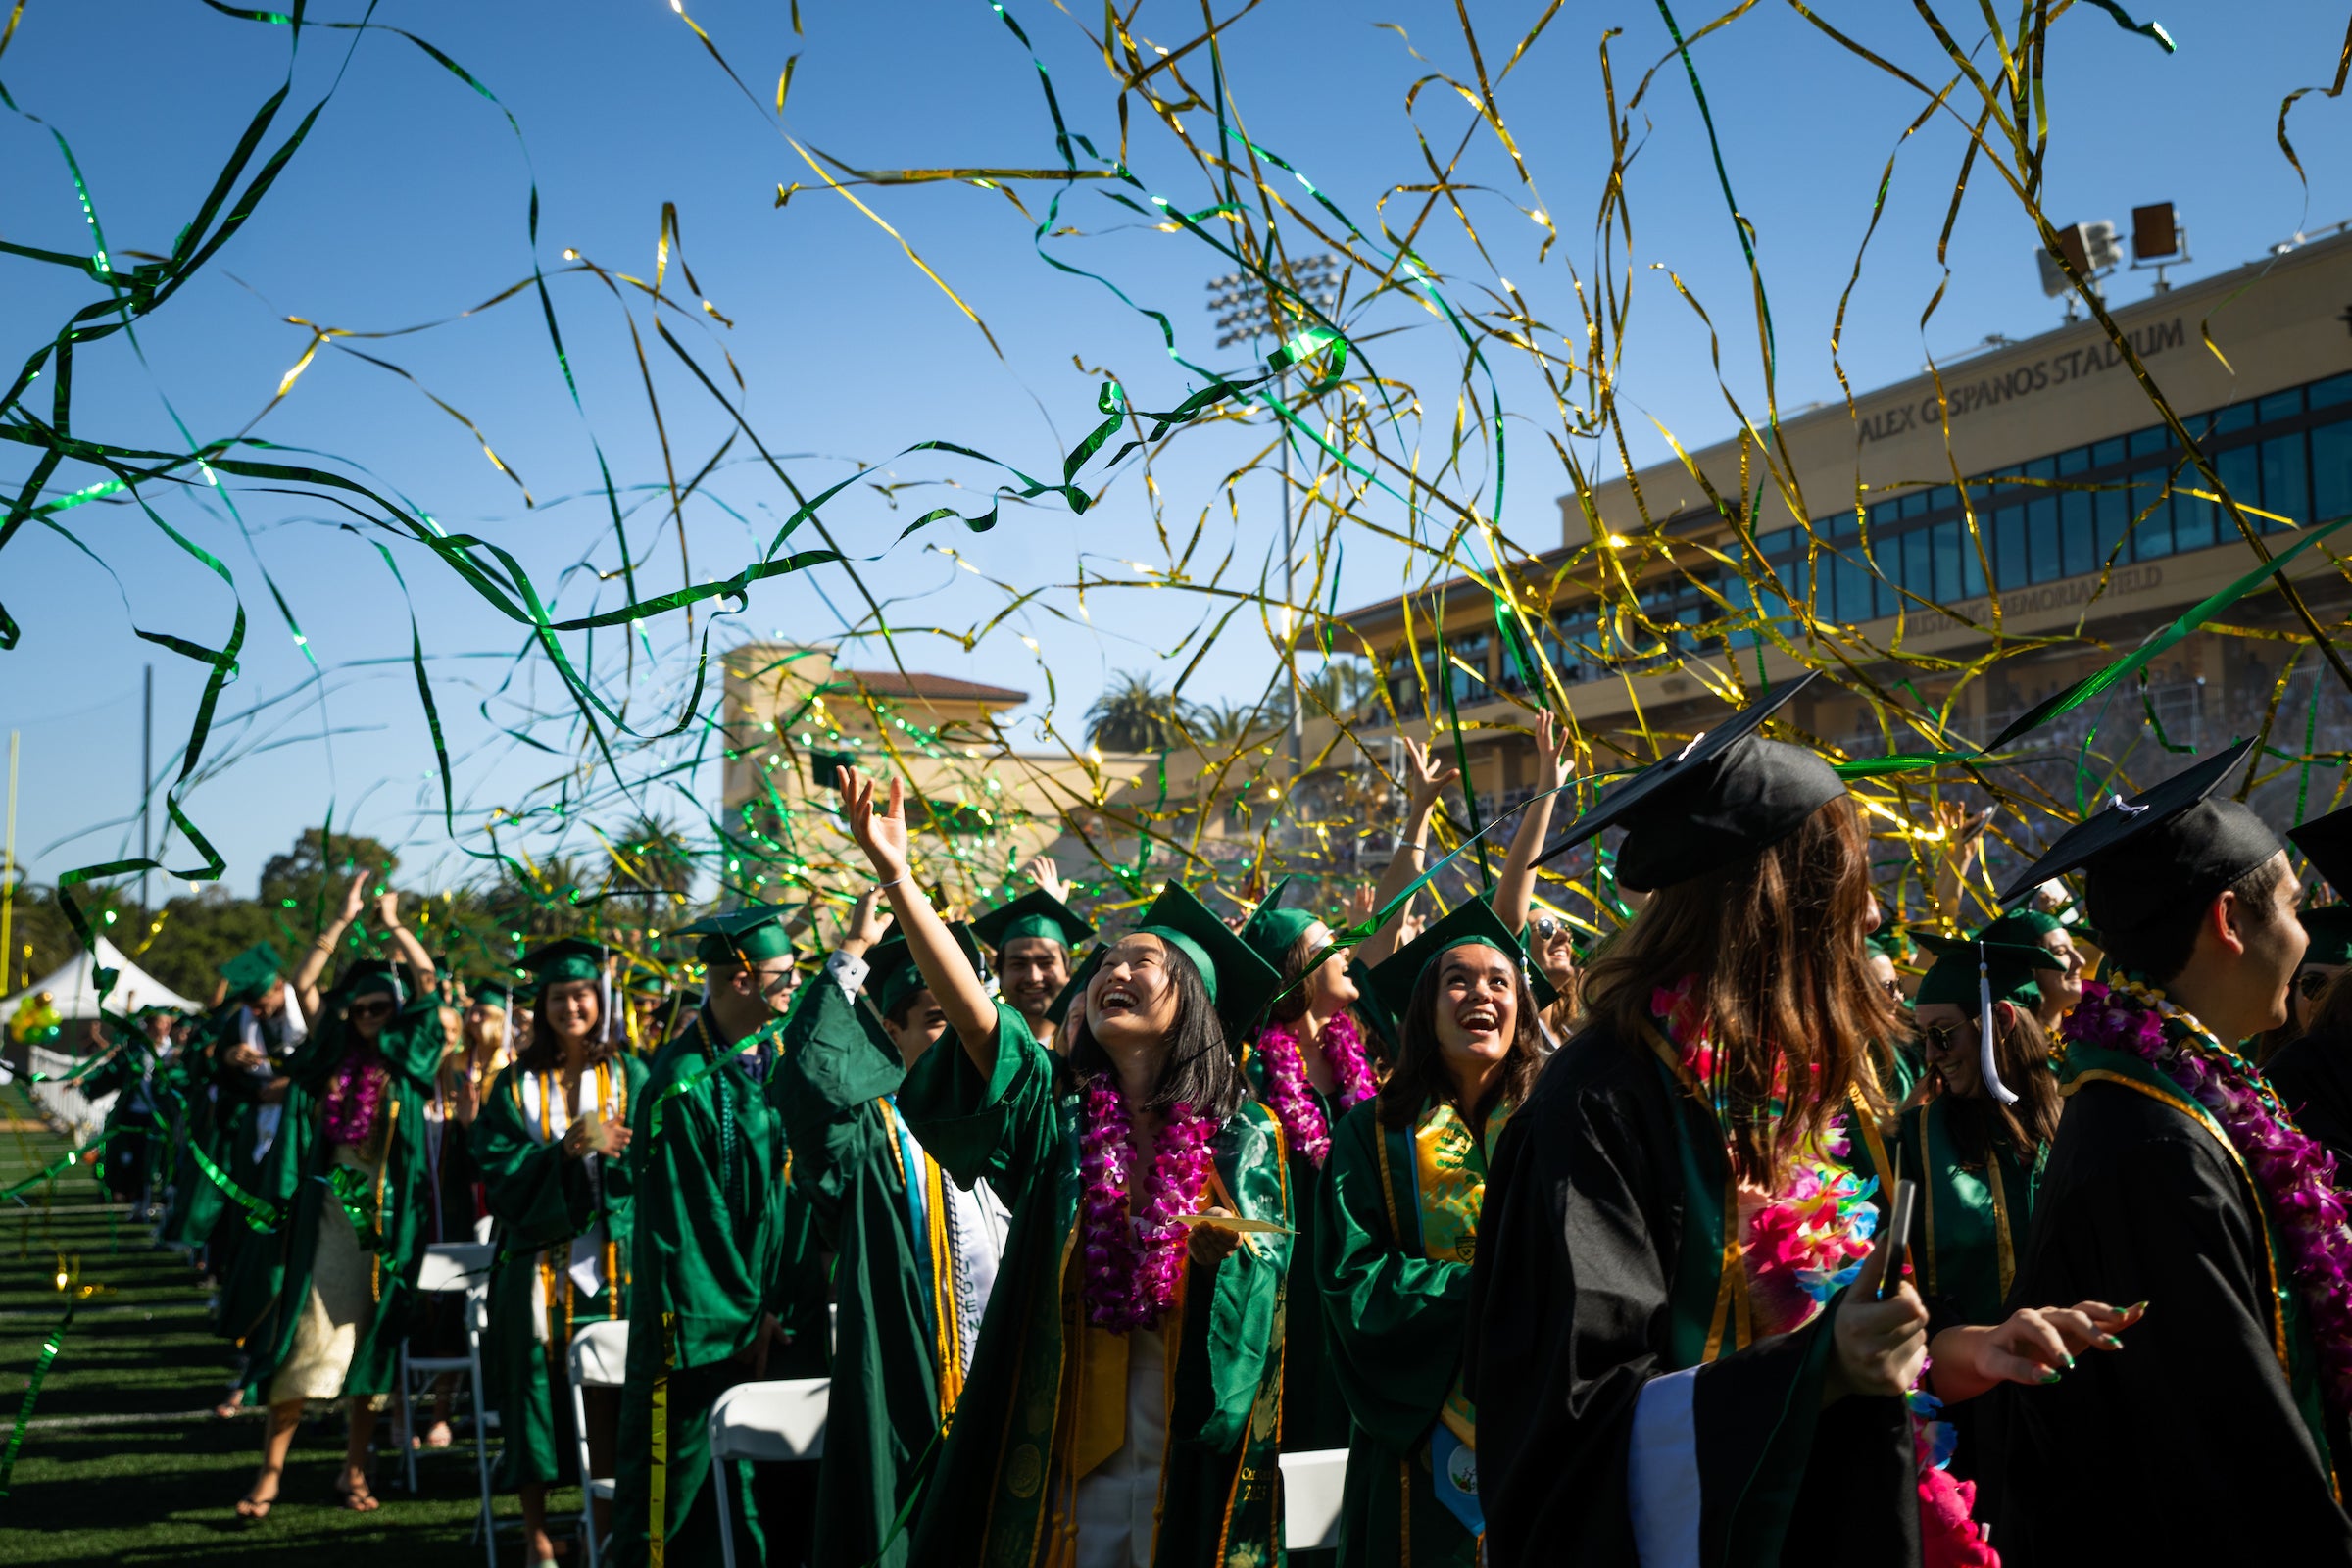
882,835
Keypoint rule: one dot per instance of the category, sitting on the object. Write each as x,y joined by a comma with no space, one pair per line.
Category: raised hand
866,923
1363,902
355,897
387,909
1551,752
1426,780
880,831
1046,875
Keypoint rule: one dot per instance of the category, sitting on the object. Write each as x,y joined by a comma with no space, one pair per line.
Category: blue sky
408,205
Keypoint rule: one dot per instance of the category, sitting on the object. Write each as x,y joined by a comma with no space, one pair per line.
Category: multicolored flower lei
1133,1248
1806,1241
355,1093
1303,1125
2296,1172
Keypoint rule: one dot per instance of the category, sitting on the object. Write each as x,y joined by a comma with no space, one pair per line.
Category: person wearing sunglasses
347,1183
1975,1138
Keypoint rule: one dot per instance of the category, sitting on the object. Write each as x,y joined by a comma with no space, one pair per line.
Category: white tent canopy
73,989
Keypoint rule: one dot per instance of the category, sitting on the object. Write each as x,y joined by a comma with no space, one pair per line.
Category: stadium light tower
1246,310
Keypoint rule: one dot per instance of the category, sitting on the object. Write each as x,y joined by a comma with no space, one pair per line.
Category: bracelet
885,887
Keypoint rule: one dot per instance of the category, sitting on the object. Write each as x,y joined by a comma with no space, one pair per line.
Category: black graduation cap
1473,921
1369,1009
2142,856
2326,842
1725,797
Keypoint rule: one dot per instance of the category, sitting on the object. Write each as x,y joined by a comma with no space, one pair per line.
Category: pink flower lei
1133,1248
2296,1173
1303,1125
355,1095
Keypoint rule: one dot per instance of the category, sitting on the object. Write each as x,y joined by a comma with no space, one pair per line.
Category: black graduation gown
2313,1076
2192,1443
1598,1263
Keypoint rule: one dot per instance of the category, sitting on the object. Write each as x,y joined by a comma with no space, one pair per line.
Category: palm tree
1132,715
1340,686
653,859
1228,725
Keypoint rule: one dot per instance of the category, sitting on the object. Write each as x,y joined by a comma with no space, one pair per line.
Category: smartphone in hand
1899,1237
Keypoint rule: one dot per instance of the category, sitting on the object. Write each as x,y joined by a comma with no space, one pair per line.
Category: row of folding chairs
773,1422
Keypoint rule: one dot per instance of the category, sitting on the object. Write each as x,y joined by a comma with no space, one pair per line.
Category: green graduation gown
1396,1321
541,1200
870,1185
1314,1411
396,1206
718,1246
1972,1227
1002,1476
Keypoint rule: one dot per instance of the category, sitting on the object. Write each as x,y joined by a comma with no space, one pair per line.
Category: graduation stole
556,1285
1966,1216
1443,1186
920,1178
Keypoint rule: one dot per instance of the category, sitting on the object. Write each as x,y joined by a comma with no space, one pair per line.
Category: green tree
1133,715
306,881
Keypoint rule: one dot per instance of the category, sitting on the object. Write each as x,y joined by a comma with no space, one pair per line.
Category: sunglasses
2311,982
1942,1037
1546,926
379,1007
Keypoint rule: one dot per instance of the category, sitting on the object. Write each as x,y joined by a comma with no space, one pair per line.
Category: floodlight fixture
2159,240
2089,249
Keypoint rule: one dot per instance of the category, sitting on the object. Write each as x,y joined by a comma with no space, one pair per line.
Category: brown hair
2160,948
1774,946
2330,1012
1420,1074
2022,1052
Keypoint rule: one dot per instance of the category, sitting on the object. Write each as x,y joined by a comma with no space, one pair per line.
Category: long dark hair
1774,944
545,1052
1420,1074
1200,1070
2021,1050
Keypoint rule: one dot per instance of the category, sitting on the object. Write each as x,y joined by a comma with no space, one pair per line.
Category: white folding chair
764,1421
1311,1484
455,1266
599,1359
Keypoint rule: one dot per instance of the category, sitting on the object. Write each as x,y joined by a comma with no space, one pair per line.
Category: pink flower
1133,1245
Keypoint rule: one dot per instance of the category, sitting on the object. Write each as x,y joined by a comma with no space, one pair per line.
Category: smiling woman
1400,1203
1124,1396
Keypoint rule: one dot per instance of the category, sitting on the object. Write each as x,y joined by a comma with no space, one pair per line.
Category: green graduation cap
1888,940
253,971
1471,922
2010,969
1240,983
490,993
892,976
362,976
1036,914
2329,927
647,980
2024,928
566,958
1272,931
1057,1011
747,935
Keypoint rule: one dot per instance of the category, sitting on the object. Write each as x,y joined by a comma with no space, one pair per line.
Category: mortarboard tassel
1986,1068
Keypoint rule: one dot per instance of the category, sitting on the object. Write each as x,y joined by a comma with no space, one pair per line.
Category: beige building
2058,528
792,716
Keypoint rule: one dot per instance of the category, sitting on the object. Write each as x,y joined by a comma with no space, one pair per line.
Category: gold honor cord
657,1524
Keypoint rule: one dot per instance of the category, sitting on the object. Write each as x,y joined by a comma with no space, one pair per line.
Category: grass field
123,1463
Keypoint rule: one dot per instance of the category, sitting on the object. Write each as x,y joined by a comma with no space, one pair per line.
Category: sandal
252,1510
437,1436
356,1500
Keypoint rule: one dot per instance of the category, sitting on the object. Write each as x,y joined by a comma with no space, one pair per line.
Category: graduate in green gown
1033,938
551,1140
242,1090
916,1253
2058,971
348,1174
727,1286
1310,1063
1400,1202
1976,1147
1122,1404
133,1124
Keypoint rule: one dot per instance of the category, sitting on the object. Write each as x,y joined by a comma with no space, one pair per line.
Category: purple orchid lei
1303,1125
2296,1172
355,1095
1133,1249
